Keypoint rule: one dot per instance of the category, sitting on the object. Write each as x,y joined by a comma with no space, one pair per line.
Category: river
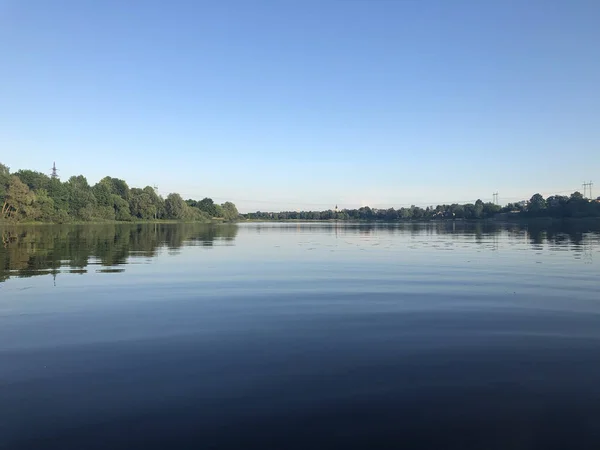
300,335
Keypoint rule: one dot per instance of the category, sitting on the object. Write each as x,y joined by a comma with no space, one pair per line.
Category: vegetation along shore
27,196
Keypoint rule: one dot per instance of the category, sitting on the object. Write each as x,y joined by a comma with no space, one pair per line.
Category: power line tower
495,198
155,187
585,189
54,173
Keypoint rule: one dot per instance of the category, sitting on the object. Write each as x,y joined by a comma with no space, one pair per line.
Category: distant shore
493,220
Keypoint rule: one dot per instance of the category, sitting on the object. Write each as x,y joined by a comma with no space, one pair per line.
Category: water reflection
38,250
558,233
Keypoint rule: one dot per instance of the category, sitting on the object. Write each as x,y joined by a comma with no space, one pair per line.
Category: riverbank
216,221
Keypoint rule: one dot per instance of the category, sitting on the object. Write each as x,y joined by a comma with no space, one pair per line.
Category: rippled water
441,336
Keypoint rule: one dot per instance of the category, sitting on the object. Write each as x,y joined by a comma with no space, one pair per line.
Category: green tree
4,171
121,208
157,201
102,192
405,213
175,206
576,197
457,211
490,209
416,212
4,181
59,193
557,205
34,180
208,206
117,187
80,182
17,200
218,210
82,202
194,214
45,206
391,215
578,206
469,211
230,212
365,213
140,204
105,212
536,204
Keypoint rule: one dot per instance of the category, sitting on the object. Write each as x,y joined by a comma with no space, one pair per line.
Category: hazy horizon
285,106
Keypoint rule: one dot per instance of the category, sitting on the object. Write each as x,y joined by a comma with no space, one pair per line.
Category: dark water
445,336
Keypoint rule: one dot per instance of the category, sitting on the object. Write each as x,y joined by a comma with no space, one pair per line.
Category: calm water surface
440,336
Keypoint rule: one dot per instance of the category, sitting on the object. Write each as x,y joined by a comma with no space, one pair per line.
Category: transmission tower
585,189
54,173
155,187
495,201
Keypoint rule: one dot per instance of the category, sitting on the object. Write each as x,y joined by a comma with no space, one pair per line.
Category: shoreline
116,222
487,220
539,220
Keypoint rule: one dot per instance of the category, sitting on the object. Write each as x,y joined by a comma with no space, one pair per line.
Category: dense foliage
27,195
555,206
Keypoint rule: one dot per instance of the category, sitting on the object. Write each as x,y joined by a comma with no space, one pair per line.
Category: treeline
28,195
555,206
477,210
561,206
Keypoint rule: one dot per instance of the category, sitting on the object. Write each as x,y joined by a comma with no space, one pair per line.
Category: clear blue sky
289,104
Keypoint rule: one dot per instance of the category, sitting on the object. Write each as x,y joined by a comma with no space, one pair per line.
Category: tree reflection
37,250
537,233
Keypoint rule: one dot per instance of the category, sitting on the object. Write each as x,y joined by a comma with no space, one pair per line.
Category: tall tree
17,199
121,208
44,206
208,206
157,201
175,206
34,180
82,203
536,204
102,192
59,193
117,187
140,204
